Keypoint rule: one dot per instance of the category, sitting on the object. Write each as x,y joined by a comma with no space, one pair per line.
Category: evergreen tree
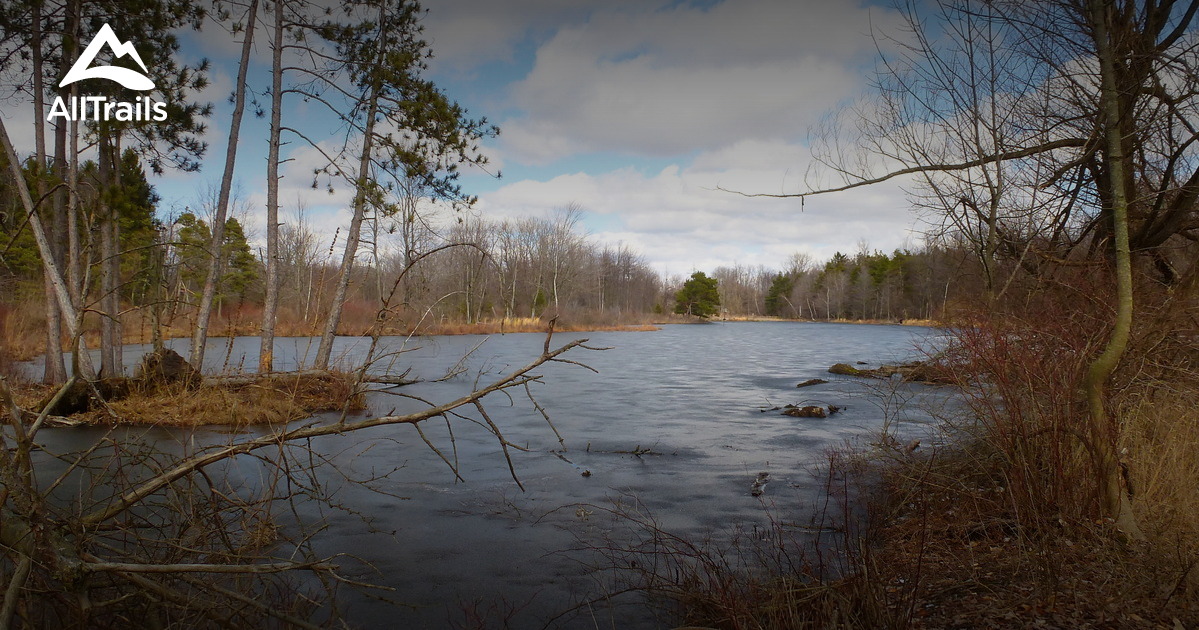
699,296
239,269
777,298
134,204
19,258
406,127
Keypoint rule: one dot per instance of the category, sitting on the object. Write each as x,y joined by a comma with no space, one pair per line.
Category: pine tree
406,126
778,297
699,296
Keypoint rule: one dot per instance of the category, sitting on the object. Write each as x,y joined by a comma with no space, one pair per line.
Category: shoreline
930,323
140,335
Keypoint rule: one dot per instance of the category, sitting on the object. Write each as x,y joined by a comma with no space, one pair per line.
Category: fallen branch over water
183,541
190,465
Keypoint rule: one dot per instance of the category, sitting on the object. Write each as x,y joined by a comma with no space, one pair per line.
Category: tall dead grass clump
1157,398
1022,375
999,523
813,571
275,400
1004,521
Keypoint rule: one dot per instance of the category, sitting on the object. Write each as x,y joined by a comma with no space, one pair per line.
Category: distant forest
470,271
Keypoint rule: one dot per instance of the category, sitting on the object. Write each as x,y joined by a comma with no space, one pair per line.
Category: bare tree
62,294
208,295
270,307
1119,164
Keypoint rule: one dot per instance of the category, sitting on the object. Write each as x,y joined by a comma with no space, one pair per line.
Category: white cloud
465,34
667,81
725,92
679,220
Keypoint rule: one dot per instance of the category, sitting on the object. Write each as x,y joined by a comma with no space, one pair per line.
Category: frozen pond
687,400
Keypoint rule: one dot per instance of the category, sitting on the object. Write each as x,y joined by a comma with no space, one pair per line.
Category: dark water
689,395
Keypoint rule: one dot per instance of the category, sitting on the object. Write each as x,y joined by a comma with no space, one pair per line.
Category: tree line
107,253
425,266
361,62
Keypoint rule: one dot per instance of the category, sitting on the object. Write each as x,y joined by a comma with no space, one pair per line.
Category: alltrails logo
99,107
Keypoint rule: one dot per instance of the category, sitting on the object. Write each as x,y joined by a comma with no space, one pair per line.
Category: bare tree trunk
113,305
74,258
74,246
1113,497
409,204
55,370
308,292
108,253
325,350
375,260
270,308
204,312
61,294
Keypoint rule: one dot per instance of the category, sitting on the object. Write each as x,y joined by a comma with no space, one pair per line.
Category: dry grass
1002,528
953,551
22,329
22,325
769,318
1163,443
271,401
522,325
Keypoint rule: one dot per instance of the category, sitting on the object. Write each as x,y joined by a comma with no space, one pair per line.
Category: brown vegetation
1002,526
274,400
22,326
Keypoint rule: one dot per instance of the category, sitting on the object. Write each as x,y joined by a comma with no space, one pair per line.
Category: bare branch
961,166
187,466
272,567
12,594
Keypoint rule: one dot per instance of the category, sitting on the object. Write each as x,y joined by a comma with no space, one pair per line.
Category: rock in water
845,369
759,485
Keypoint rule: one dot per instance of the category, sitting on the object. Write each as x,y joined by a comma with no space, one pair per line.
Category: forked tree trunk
204,311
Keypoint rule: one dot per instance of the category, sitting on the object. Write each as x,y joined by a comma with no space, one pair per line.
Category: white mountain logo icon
131,79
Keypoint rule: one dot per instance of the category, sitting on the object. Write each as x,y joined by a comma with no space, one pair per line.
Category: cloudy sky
634,110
